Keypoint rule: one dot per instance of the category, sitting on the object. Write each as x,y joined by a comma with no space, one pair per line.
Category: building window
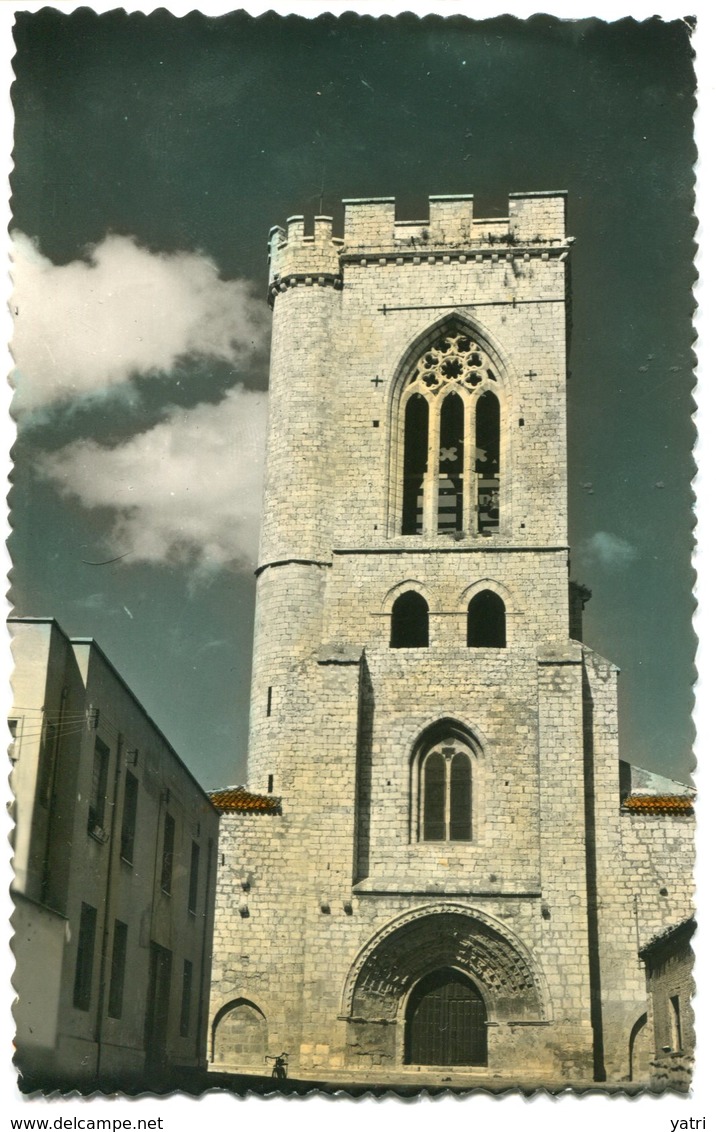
675,1024
486,627
168,854
116,977
194,878
409,622
82,994
450,413
129,817
46,772
443,785
13,750
98,792
185,1011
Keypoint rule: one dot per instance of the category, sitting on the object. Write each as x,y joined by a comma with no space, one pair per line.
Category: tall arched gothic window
444,781
450,412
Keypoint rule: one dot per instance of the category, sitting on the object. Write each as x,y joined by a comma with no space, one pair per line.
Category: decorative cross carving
376,381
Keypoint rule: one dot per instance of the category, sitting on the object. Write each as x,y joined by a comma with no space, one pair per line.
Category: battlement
535,224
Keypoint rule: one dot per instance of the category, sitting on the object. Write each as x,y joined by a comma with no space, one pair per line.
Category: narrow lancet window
450,482
486,627
409,622
415,464
487,461
434,797
460,798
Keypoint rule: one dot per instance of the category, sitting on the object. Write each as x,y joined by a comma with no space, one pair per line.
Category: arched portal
446,1021
400,968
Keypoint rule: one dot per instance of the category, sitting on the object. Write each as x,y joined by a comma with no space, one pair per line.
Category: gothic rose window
451,440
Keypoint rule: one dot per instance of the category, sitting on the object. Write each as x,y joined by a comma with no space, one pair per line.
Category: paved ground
405,1084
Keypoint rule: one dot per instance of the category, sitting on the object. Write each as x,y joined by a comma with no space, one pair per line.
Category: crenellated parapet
295,257
534,226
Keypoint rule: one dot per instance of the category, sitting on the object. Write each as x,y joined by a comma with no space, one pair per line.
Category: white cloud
91,324
188,490
609,550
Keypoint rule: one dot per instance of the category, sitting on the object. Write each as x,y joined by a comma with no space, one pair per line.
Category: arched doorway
446,1021
387,979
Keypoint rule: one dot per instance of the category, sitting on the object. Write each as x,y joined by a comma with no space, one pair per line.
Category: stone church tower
430,874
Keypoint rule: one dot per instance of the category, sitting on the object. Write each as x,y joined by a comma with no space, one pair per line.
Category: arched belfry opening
486,621
446,1021
410,622
448,422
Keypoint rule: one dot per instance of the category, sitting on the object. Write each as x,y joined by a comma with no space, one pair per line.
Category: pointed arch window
409,622
450,415
487,461
415,463
486,622
445,790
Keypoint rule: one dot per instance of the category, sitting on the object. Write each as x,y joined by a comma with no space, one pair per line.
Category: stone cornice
400,257
433,253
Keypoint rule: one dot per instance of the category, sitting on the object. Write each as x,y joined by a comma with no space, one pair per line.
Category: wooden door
446,1021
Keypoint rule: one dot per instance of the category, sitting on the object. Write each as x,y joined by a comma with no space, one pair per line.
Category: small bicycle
280,1064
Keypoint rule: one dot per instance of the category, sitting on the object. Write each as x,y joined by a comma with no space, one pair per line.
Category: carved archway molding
445,934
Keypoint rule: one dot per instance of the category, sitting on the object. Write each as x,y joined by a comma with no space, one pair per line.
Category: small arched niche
240,1034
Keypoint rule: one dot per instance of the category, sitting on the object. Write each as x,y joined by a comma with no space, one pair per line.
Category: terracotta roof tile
658,804
236,799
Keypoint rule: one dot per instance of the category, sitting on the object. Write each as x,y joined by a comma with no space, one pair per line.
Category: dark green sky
199,134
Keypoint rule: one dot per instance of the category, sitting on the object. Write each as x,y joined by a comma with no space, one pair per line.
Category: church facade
433,873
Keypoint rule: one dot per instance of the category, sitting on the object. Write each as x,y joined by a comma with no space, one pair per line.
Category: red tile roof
658,804
238,800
